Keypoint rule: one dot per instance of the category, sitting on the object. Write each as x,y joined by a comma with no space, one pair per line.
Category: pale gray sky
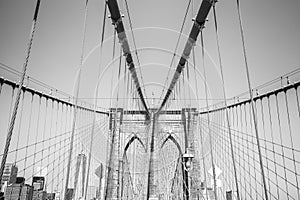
271,28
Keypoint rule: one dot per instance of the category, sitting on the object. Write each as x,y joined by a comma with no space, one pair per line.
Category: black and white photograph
149,100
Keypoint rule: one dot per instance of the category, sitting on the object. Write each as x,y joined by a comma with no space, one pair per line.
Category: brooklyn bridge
149,100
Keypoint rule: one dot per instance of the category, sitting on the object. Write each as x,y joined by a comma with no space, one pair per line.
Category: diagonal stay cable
176,47
134,44
197,27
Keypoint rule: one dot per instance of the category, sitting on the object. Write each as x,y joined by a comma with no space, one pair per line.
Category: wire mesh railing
278,117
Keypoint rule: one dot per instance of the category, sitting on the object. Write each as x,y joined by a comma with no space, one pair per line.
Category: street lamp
188,159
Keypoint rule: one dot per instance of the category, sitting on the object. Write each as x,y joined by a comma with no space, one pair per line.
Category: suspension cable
28,131
134,44
102,37
56,143
50,135
225,101
15,110
176,47
37,131
119,27
60,146
19,128
77,86
33,80
208,119
251,99
197,27
95,100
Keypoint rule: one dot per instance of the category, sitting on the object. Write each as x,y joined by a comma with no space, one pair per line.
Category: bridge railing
278,117
41,137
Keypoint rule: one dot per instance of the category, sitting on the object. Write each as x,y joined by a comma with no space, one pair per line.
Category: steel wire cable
33,80
291,141
224,92
28,131
44,140
17,100
134,43
176,47
283,178
278,164
263,140
208,118
247,161
20,122
52,146
76,88
36,132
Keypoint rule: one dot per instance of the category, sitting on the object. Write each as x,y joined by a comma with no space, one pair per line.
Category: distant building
18,192
39,195
38,183
69,194
10,173
50,196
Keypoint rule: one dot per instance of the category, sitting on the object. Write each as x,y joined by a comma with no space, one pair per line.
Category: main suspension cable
15,110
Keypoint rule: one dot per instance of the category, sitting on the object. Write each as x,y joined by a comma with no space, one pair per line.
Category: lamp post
188,166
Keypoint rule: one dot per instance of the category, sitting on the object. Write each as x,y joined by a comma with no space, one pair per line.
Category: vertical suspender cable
291,140
54,148
273,147
281,144
95,101
248,149
11,105
243,154
265,143
14,114
44,131
225,101
102,36
203,157
36,133
49,142
28,132
208,119
251,99
76,101
65,142
19,128
60,147
253,152
298,109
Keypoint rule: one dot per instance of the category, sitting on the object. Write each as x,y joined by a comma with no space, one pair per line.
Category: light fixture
188,159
